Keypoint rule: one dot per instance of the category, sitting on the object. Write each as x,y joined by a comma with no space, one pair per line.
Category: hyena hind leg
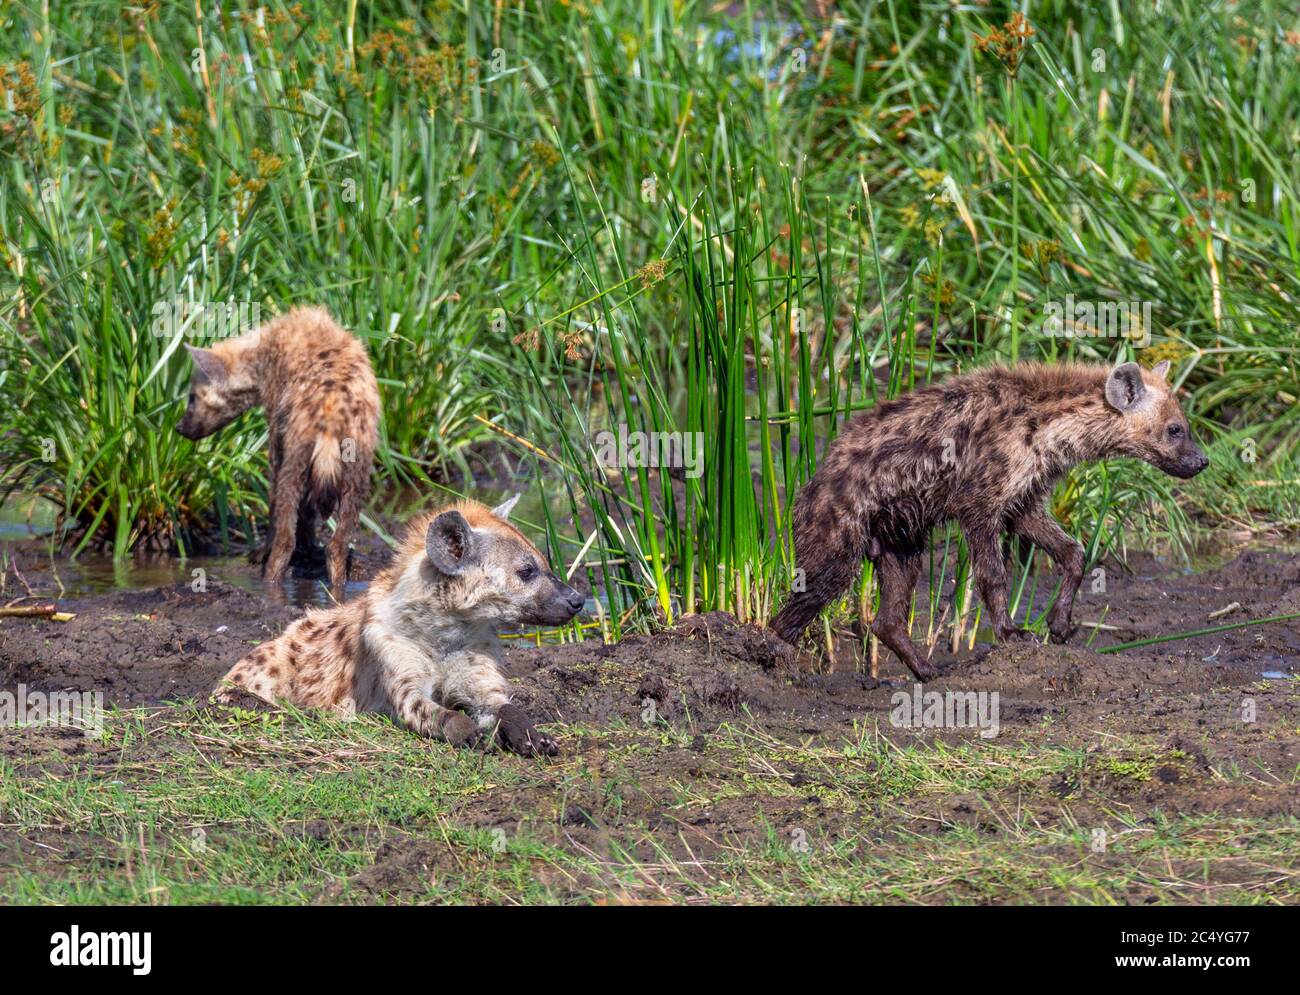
237,695
305,532
800,609
290,482
345,522
897,577
237,687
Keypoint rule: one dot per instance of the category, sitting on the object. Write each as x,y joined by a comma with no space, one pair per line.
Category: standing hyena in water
422,641
984,449
314,381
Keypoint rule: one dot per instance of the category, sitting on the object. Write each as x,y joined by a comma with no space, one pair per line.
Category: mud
1179,705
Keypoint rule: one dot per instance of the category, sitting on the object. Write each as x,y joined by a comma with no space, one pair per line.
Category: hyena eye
527,572
1175,431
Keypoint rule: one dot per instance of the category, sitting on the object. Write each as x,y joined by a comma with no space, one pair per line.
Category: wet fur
983,449
315,383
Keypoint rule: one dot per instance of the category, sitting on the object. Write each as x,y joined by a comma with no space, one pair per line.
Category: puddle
26,519
90,576
26,516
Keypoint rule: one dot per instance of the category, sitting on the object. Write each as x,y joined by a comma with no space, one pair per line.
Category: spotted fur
422,642
983,449
314,381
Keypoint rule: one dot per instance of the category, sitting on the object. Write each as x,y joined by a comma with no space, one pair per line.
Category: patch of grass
186,804
181,825
1140,767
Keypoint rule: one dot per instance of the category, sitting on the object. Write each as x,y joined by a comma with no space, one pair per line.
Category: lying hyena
422,641
315,383
983,449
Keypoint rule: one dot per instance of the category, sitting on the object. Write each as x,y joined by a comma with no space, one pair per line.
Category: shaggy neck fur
427,615
244,361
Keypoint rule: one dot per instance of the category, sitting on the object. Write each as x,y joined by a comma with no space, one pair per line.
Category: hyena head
222,387
1154,426
484,570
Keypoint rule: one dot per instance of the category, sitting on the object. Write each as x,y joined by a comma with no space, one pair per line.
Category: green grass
550,220
184,805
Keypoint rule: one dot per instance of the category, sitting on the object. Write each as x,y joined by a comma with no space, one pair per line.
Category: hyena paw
1012,633
1062,633
517,733
459,729
924,670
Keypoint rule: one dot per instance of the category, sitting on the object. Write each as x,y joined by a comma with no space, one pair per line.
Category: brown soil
1184,699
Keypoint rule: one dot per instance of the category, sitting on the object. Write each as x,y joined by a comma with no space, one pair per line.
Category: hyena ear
1124,387
502,511
207,365
1161,369
449,543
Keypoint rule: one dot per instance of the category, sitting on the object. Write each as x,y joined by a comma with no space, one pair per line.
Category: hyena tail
326,472
822,585
326,460
828,560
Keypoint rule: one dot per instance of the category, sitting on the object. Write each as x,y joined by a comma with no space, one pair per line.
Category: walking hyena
984,449
422,640
322,410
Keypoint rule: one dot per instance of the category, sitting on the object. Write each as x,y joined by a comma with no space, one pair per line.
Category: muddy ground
1201,729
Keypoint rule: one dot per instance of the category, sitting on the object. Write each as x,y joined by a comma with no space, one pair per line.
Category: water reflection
90,575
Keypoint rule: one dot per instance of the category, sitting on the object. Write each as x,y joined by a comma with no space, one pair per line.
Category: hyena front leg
1045,532
991,578
513,729
897,575
305,535
422,715
486,692
290,482
403,680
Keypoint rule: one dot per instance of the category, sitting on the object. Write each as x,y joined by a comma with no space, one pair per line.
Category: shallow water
90,575
27,519
25,516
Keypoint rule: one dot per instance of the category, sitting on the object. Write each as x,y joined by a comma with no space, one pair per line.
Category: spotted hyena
421,645
314,381
983,449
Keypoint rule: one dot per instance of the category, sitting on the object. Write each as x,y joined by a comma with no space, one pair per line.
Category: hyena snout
556,604
1187,462
190,427
1191,464
202,419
